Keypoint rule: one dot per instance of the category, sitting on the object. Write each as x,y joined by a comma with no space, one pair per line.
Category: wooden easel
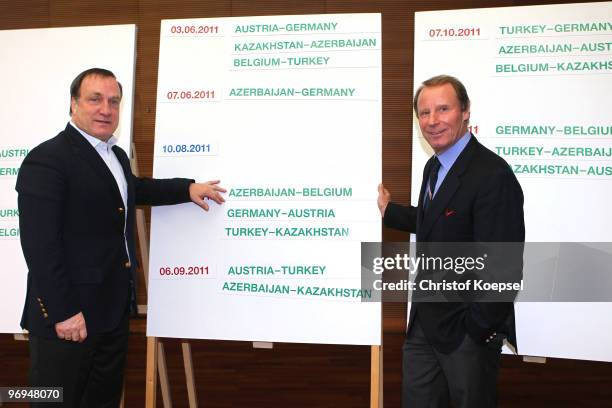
153,357
158,355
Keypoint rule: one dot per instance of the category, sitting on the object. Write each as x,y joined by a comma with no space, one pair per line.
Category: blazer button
39,300
45,315
44,310
120,209
128,264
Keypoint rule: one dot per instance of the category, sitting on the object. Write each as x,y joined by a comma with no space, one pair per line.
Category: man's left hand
383,199
199,192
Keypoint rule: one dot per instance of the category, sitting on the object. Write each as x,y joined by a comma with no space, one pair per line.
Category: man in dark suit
469,194
77,198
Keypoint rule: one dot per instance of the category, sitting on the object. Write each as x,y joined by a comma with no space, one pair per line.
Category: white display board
37,68
286,111
540,81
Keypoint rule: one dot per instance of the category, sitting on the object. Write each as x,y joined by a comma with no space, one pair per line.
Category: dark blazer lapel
447,189
420,212
445,193
130,220
85,150
127,171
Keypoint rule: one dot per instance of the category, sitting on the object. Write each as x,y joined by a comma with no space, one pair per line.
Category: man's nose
432,119
105,108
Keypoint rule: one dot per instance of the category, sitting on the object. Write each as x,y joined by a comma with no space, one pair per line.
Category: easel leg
376,378
151,375
164,382
122,401
188,363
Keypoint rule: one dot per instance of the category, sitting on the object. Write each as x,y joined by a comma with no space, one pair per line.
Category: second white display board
540,85
286,111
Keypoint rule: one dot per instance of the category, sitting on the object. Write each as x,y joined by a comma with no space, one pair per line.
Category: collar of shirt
449,157
94,141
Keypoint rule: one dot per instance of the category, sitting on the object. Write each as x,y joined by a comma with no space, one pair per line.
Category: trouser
91,373
467,376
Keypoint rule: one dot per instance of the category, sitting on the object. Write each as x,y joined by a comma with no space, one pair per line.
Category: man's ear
466,114
73,105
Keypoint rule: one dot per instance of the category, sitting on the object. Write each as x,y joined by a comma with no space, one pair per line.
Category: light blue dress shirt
448,157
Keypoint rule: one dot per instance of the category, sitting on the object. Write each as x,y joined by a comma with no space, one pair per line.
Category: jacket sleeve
400,217
151,191
42,188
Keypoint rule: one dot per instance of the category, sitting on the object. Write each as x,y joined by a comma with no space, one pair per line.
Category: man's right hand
72,329
199,192
383,199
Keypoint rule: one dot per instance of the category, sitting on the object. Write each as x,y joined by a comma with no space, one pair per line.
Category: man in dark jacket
469,194
77,198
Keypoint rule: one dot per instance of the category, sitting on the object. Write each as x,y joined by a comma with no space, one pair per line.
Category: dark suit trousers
91,372
467,376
